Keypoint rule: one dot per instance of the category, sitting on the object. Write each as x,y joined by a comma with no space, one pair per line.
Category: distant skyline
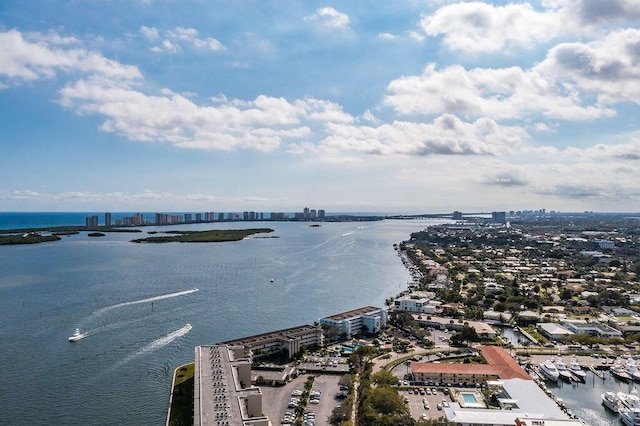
405,106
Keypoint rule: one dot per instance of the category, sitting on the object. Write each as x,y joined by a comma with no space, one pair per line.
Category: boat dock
598,373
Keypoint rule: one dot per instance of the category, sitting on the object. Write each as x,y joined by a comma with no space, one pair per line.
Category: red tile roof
499,363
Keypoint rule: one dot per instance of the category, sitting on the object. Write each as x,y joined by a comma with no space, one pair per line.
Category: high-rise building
187,217
457,215
107,219
198,217
91,221
320,214
499,217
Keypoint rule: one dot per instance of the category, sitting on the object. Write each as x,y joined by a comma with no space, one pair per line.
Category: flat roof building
553,330
291,339
223,395
522,403
367,319
591,328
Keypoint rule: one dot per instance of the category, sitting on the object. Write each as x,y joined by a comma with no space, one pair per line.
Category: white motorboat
619,372
611,401
630,416
563,372
633,371
628,401
549,370
576,370
77,336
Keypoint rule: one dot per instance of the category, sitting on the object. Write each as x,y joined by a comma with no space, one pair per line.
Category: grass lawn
182,402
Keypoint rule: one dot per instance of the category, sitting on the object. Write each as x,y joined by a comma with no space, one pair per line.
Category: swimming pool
469,398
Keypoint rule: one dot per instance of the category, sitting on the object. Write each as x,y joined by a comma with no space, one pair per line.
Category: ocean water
135,302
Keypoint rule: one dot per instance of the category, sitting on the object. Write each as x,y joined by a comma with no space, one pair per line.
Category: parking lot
425,401
276,399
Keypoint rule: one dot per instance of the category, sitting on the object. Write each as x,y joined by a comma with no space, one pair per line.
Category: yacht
630,416
563,372
618,371
549,370
611,401
629,400
633,371
77,336
576,370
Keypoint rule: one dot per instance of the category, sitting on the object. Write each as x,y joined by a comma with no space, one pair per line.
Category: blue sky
404,106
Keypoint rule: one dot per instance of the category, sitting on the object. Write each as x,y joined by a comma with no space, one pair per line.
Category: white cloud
24,60
608,68
506,93
482,27
262,124
446,135
150,33
180,36
387,36
330,18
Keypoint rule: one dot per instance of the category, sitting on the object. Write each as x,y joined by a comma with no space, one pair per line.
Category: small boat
77,336
611,401
271,280
576,370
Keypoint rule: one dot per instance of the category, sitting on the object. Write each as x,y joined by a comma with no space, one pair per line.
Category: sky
402,107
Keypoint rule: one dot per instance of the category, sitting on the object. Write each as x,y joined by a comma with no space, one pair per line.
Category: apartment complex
292,340
421,304
500,365
363,320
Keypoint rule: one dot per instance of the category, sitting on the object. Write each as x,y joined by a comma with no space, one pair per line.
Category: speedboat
611,401
549,370
630,416
576,370
77,336
562,370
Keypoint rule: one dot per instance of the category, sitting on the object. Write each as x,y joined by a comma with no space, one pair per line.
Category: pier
598,373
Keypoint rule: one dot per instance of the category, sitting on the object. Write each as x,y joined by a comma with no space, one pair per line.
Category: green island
28,238
35,235
210,236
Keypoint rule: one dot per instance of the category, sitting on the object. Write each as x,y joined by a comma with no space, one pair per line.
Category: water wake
164,341
153,346
147,300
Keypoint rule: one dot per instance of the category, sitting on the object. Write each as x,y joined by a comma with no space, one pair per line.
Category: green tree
466,334
384,377
386,400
